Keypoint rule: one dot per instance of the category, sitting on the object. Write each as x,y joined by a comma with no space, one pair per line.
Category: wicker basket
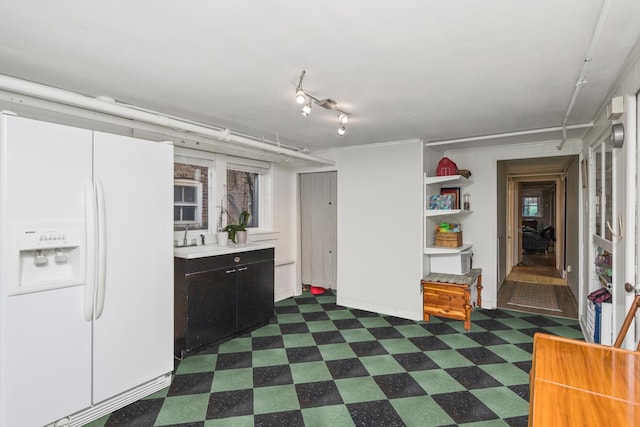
452,239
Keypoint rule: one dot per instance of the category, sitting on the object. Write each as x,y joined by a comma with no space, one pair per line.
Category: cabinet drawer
445,300
449,291
227,260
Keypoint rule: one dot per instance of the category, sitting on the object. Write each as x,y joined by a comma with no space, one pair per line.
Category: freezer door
133,335
45,343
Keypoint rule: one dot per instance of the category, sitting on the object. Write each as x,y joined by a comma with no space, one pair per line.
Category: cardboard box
456,263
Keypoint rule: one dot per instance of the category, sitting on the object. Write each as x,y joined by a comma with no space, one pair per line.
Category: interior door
318,203
133,338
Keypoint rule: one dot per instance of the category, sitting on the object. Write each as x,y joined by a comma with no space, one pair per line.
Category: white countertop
191,252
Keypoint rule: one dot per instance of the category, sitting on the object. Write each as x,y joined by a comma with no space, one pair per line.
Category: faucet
184,241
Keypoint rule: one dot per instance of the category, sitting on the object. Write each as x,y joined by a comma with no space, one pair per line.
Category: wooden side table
451,295
575,383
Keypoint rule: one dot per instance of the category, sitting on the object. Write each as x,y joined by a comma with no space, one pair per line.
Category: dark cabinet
219,297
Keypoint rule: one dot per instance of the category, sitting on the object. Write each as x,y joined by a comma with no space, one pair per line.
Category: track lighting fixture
327,103
306,110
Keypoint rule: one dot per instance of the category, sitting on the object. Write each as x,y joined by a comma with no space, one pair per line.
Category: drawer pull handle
243,268
230,271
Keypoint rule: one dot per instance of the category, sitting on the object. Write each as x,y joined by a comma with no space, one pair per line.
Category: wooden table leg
467,312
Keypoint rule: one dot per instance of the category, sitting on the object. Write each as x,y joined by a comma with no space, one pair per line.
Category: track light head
306,110
300,96
343,118
342,130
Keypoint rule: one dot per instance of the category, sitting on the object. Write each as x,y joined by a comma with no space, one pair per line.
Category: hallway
536,286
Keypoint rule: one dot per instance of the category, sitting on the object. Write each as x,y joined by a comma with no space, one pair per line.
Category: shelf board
446,212
437,250
448,179
604,244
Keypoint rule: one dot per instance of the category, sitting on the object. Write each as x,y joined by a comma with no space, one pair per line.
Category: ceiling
407,69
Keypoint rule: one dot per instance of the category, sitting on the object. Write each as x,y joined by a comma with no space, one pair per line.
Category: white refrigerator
86,272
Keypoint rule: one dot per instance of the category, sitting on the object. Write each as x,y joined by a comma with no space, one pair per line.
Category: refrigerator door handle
90,251
102,249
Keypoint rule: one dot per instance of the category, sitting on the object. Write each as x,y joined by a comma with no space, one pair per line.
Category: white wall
481,227
380,227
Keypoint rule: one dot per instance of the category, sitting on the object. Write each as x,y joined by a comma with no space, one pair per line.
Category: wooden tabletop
574,383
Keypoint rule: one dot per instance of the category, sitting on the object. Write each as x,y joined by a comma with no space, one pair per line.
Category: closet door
319,229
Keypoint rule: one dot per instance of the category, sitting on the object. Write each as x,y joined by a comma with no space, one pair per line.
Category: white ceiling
407,69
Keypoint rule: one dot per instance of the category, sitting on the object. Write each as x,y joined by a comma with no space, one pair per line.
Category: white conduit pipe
159,131
39,91
182,119
582,78
507,134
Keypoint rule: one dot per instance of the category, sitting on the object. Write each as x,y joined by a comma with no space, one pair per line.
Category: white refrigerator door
133,335
45,343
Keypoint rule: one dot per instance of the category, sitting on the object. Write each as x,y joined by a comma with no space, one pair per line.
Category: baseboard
117,402
382,309
287,293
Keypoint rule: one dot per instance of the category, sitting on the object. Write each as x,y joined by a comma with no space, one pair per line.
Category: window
191,179
204,182
530,206
187,206
243,193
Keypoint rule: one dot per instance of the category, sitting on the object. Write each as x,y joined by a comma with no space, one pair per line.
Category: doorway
318,224
536,216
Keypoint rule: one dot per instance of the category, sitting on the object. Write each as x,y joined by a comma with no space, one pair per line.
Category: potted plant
238,230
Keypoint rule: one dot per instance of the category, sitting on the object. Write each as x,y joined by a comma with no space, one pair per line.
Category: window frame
525,205
217,165
198,204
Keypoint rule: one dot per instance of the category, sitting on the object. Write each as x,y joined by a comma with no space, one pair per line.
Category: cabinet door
211,307
45,342
132,341
255,294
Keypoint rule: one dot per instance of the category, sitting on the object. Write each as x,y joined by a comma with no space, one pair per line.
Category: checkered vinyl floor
319,364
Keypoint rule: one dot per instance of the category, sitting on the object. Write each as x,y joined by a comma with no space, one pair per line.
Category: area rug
518,275
532,295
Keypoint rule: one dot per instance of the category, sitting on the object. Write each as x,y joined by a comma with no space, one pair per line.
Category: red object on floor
317,290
